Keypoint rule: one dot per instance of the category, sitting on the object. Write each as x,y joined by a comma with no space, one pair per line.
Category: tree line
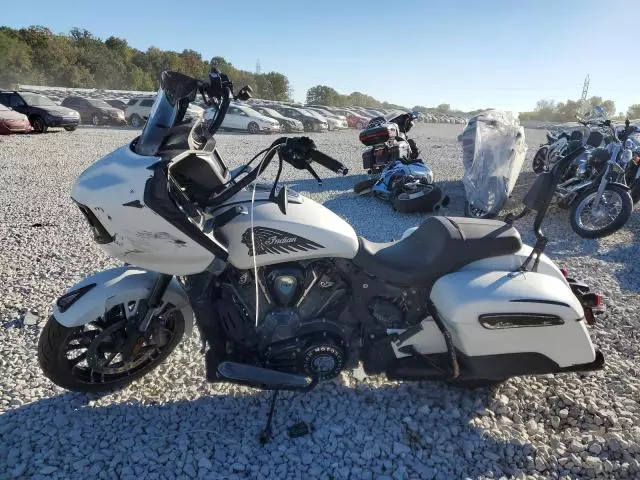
324,95
551,111
35,55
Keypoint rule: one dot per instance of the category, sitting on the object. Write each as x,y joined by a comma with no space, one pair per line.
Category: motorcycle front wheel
88,358
612,214
538,163
475,212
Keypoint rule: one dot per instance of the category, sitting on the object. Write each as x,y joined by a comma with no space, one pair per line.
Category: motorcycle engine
303,325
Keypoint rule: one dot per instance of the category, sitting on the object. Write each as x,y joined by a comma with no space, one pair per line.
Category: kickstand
266,433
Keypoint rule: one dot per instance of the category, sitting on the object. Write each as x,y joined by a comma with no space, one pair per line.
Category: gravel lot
173,424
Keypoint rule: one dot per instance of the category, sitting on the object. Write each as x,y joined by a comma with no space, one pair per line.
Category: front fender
621,185
116,286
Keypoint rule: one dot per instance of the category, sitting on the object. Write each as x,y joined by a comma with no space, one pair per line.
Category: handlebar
329,163
299,152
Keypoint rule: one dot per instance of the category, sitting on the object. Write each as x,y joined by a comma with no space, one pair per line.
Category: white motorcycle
283,291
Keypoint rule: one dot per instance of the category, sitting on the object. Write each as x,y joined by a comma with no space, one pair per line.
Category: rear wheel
89,358
612,213
38,124
417,196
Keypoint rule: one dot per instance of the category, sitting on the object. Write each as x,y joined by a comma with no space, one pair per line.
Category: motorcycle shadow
429,424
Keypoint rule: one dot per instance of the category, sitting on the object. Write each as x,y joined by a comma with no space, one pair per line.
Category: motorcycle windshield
493,151
161,118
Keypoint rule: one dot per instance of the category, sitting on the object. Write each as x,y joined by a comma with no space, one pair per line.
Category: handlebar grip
329,163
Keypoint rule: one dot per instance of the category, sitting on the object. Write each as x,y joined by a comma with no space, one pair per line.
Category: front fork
601,188
137,327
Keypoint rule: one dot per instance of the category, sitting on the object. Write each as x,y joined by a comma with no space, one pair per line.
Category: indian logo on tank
272,241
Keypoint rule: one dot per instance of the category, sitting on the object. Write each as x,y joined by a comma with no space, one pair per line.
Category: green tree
15,58
634,111
323,95
443,108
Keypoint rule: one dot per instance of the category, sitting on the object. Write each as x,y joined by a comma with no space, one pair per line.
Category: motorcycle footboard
259,377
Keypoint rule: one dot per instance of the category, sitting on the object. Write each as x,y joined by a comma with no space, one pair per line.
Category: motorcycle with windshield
282,290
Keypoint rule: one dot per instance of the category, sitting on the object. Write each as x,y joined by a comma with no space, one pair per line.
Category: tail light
565,272
592,300
100,234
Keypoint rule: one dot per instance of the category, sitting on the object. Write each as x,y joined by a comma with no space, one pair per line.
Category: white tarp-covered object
493,151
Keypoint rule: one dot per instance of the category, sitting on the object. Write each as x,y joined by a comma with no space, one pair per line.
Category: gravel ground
173,424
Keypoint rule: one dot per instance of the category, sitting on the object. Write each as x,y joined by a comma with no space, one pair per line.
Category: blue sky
470,54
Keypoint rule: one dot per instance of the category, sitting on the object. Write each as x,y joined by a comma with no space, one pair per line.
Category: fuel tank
307,230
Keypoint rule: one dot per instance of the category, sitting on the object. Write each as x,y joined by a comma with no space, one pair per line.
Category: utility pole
258,67
583,98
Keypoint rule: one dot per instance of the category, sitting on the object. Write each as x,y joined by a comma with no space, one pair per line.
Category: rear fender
116,286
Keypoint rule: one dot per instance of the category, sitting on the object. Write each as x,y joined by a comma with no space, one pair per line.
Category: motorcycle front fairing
494,149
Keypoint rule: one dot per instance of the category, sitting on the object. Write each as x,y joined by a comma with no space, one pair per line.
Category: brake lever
314,174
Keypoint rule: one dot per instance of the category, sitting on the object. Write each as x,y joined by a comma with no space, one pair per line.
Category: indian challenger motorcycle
283,291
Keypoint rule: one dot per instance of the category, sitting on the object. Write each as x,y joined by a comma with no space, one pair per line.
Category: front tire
67,372
538,163
70,128
616,197
38,124
135,121
253,128
474,212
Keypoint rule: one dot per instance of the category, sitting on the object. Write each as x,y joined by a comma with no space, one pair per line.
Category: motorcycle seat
439,246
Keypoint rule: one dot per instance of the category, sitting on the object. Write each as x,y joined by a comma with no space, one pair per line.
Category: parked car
40,110
354,120
310,122
13,122
94,111
287,124
138,110
114,102
336,122
241,117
